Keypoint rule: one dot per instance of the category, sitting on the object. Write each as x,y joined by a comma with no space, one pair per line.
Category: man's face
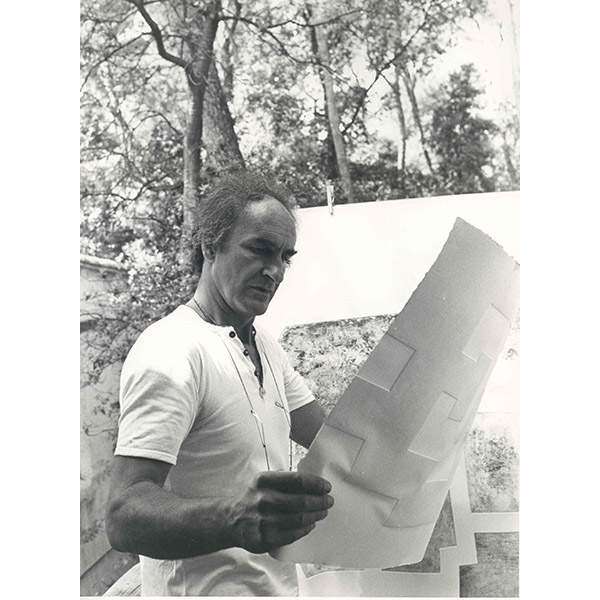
249,266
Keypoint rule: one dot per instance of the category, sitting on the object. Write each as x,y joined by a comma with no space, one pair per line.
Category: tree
288,36
403,42
198,30
176,91
183,35
462,139
509,132
321,50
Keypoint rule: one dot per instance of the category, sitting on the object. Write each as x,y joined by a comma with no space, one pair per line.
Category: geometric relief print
488,336
438,433
402,422
442,426
386,362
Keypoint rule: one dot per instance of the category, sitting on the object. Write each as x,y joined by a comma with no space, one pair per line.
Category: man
201,488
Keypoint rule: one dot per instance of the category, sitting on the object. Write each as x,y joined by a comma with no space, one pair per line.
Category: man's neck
214,309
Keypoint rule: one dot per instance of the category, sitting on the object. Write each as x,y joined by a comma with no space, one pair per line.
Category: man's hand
144,518
279,508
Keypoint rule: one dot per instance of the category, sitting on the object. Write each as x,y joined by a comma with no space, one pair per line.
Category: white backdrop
366,259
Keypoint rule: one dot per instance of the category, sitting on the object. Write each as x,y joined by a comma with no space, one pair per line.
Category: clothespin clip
330,195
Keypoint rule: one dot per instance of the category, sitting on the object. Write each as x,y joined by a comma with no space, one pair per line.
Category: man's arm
306,422
143,518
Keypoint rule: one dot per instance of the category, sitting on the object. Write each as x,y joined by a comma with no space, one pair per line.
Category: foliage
461,139
131,134
328,355
93,527
493,471
507,160
134,118
156,285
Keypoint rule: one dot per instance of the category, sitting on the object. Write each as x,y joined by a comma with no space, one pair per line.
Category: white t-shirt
187,390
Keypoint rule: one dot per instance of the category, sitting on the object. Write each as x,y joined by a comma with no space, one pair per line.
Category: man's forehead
268,208
269,220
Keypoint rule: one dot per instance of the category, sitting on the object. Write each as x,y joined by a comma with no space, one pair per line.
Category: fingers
293,521
279,502
293,483
298,520
284,507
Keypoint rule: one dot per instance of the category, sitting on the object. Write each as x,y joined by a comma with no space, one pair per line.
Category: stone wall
99,565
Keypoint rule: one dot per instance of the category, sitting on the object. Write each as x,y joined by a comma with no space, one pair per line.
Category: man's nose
275,270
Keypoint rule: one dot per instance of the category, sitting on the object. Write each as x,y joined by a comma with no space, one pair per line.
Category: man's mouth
267,291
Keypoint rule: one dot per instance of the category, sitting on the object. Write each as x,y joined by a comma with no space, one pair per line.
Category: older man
201,485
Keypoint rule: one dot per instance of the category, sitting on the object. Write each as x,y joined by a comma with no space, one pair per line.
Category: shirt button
246,353
232,334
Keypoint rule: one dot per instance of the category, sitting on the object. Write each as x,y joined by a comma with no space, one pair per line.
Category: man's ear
208,252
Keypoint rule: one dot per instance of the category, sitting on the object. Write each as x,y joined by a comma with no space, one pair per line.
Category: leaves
328,355
460,137
134,121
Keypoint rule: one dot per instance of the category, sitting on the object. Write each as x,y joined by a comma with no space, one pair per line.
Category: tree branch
110,55
164,226
162,116
156,33
265,30
174,187
380,70
332,19
325,22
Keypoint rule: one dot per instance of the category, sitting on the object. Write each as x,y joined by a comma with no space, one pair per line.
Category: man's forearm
306,422
154,522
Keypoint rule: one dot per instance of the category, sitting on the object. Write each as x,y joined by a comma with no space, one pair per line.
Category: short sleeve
297,393
158,401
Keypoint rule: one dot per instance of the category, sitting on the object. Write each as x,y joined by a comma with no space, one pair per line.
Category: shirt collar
224,331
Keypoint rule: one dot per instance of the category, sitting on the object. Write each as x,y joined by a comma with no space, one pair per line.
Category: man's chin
255,309
257,302
260,309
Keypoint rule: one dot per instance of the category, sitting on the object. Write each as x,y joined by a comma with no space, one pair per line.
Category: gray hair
226,200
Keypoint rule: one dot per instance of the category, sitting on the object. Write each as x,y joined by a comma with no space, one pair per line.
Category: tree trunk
510,167
410,90
200,39
192,166
401,163
227,61
514,30
332,112
329,161
220,140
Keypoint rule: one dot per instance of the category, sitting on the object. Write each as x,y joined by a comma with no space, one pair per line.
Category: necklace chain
209,319
202,312
259,424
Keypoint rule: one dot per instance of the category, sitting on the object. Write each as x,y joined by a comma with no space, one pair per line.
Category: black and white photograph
299,298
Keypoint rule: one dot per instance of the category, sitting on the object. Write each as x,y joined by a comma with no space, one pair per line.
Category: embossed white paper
391,444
